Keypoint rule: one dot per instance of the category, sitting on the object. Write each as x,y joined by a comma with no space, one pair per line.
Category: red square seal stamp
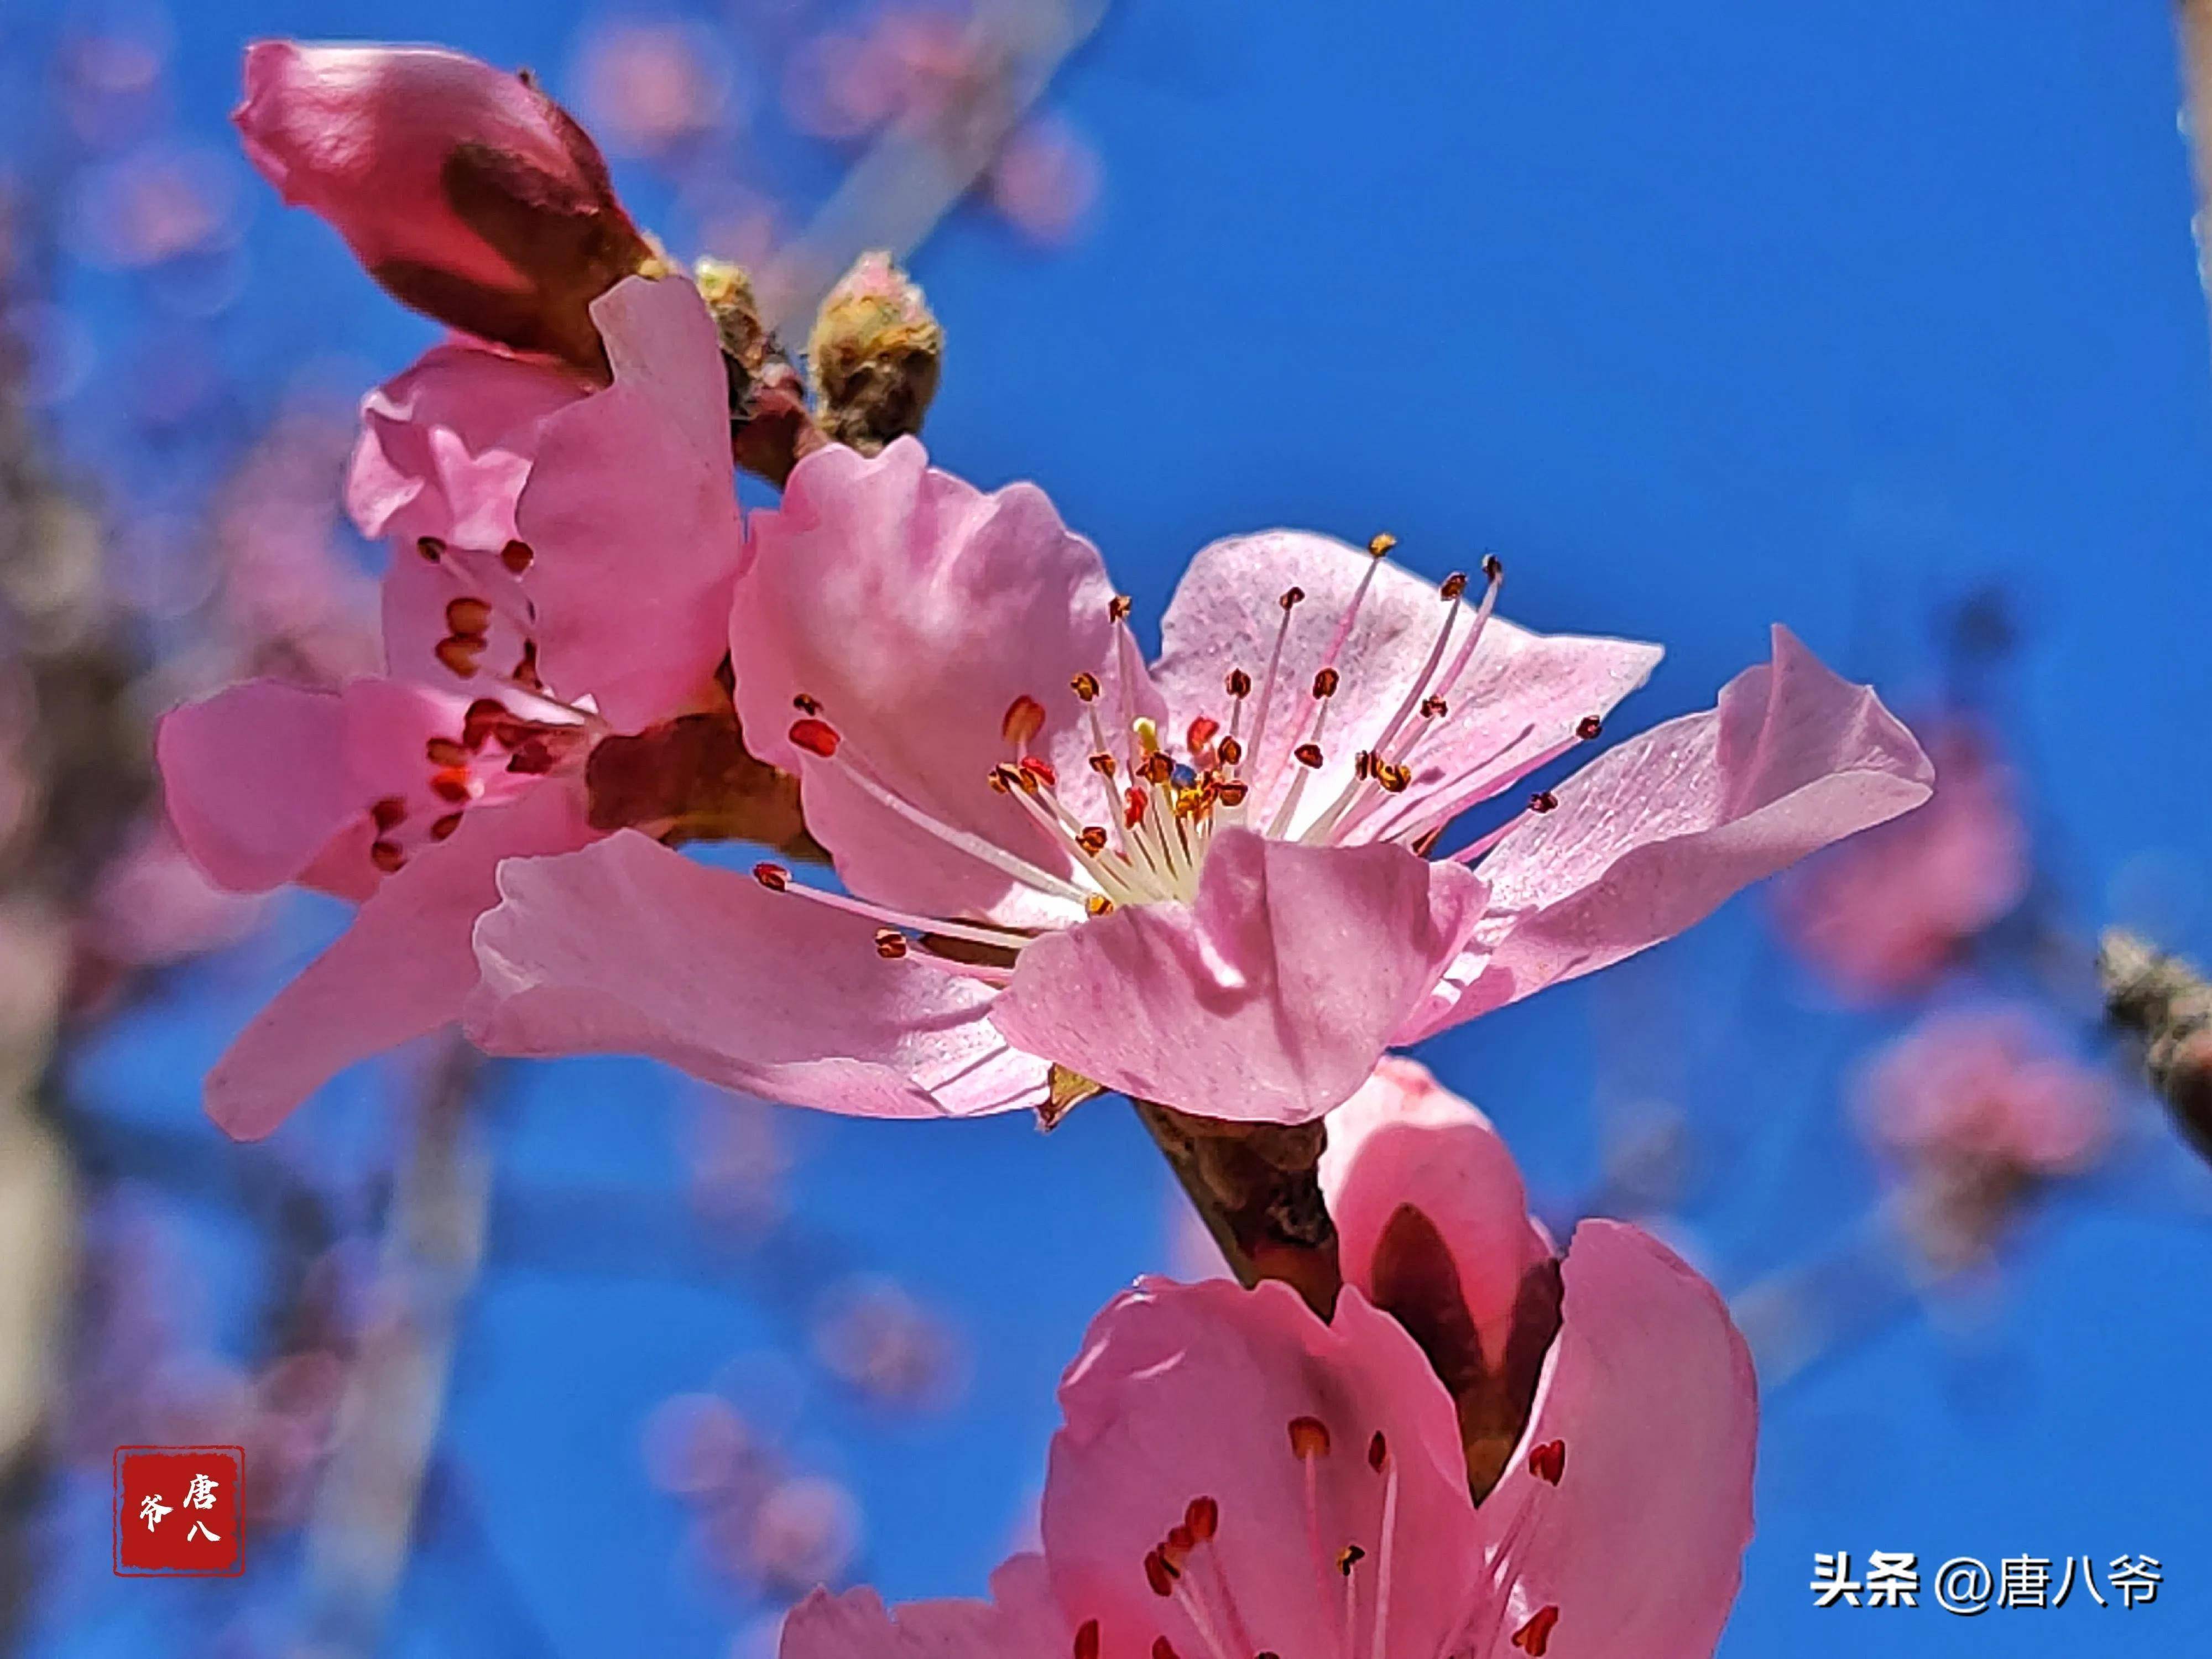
179,1511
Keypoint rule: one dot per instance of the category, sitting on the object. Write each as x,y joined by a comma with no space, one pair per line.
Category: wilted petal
1652,835
401,970
1650,1394
915,609
1210,1391
630,948
1270,998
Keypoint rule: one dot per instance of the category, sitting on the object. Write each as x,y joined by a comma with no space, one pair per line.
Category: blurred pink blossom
873,1336
649,87
1992,1085
805,1533
1979,1107
1045,181
1887,912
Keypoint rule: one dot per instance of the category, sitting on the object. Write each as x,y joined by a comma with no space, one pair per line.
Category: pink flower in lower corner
562,570
1487,1454
1213,883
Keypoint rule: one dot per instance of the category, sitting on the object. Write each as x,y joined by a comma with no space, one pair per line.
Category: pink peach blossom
465,191
1989,1083
1236,1477
1206,884
1884,916
563,561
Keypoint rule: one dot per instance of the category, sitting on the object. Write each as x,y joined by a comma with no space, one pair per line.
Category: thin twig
363,1517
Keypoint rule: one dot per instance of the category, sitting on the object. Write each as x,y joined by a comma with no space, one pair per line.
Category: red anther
1092,840
534,757
1292,598
442,827
1543,801
1348,1558
1391,777
385,856
1134,802
1040,770
1309,1437
446,752
1434,708
1231,751
467,618
1381,543
1308,755
526,668
1097,905
1589,726
1086,1639
1159,1574
1378,1452
806,705
1549,1460
1533,1637
1201,732
1454,585
890,944
815,737
388,812
1118,609
430,548
1203,1517
1024,719
1326,681
1164,1648
1003,778
1232,791
1363,763
1156,768
1103,764
774,876
459,656
1176,1547
1085,686
481,717
1493,566
516,555
451,783
1238,685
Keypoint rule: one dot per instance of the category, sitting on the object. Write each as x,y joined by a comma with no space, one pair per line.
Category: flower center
1137,830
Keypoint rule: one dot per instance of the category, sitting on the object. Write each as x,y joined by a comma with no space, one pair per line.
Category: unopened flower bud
466,191
874,355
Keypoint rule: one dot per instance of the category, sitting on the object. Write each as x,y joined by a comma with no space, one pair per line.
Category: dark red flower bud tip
1025,719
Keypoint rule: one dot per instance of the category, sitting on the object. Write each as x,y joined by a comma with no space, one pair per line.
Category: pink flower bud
466,192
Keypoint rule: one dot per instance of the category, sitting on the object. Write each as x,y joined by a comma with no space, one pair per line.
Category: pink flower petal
1650,1391
1186,1392
1406,1139
1652,835
446,446
631,513
257,780
1520,694
916,609
400,970
1269,999
630,948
